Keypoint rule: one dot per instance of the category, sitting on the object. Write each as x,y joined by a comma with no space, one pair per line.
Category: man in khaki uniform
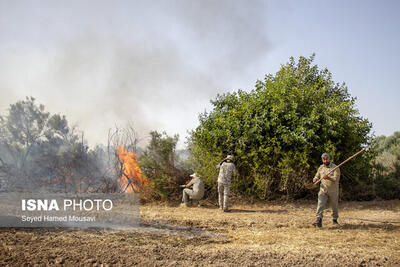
196,193
227,171
329,189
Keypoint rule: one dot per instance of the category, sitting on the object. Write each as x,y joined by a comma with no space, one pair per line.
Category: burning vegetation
131,179
40,152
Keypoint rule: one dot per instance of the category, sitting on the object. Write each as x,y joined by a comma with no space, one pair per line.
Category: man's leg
183,196
221,195
322,199
196,197
334,203
227,192
186,194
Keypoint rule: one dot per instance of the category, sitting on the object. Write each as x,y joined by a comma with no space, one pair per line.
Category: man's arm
317,175
337,174
190,183
220,164
333,178
187,185
326,177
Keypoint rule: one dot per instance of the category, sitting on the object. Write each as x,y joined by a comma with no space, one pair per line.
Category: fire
132,178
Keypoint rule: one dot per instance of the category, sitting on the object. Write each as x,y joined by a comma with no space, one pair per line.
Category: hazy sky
158,63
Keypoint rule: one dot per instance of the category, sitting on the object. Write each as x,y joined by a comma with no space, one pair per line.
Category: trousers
332,198
223,195
190,194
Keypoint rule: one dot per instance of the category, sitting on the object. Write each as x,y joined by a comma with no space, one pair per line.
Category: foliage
161,165
387,166
41,151
278,131
23,127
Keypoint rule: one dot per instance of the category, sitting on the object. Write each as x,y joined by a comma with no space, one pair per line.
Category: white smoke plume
155,63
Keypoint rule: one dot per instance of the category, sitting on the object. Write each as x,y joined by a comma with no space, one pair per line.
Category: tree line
276,131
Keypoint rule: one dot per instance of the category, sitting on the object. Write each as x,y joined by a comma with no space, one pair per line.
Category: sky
157,64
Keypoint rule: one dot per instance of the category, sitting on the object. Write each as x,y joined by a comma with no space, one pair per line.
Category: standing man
196,193
329,189
227,170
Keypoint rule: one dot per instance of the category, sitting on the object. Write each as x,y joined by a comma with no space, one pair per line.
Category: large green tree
278,131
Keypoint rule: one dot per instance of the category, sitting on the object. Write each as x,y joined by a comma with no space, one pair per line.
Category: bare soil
250,235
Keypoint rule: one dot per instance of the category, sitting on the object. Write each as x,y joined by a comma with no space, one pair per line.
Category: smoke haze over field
156,64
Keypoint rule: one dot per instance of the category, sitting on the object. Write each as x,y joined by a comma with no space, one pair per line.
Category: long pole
338,166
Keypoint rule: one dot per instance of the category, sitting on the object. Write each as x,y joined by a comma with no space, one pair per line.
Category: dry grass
259,234
369,230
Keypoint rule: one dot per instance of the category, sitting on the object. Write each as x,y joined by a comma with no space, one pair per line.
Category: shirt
326,185
198,186
227,170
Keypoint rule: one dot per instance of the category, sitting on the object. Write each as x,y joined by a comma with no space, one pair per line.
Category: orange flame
132,178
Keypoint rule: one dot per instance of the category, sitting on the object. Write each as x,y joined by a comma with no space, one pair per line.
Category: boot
318,222
335,223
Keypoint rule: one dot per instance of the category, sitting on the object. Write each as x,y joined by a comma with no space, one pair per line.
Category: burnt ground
259,234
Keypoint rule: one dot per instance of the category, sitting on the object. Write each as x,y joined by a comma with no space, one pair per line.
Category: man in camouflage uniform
196,193
227,170
329,189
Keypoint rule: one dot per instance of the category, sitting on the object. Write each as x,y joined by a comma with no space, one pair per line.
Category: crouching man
196,193
329,189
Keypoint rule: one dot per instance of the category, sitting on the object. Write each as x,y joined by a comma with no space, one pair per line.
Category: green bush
387,166
161,165
278,131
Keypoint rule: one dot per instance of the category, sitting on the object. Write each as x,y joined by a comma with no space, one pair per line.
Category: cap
230,157
194,175
325,155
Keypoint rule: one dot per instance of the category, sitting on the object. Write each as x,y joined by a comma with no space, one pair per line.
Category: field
258,234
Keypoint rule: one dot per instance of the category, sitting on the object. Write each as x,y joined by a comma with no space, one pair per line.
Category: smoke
104,63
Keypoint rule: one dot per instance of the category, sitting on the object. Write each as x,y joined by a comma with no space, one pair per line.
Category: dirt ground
278,234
